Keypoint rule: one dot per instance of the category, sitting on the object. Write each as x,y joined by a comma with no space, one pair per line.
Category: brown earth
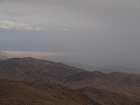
22,93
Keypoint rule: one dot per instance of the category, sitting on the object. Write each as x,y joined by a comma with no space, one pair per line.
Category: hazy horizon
92,32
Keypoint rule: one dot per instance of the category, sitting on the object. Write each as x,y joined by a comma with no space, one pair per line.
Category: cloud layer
98,32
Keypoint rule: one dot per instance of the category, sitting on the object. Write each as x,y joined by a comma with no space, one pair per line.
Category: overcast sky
93,32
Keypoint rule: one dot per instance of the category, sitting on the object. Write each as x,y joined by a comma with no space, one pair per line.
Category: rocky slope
22,93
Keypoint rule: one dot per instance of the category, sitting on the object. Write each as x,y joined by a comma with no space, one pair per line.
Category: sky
93,32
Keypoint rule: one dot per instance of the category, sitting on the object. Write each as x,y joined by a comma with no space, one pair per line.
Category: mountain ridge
96,85
35,70
105,69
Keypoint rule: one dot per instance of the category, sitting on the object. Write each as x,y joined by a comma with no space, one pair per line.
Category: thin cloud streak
8,25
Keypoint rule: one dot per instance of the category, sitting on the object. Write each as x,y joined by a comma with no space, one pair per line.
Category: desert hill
107,97
22,93
35,70
100,78
108,89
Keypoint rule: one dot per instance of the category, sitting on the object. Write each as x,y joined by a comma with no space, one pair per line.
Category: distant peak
25,58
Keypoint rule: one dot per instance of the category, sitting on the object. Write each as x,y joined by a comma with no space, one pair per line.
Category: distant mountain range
107,89
105,69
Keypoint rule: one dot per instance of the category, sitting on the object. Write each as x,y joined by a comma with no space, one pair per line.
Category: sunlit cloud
11,25
35,54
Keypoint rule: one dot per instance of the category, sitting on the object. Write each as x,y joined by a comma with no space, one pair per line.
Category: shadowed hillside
34,70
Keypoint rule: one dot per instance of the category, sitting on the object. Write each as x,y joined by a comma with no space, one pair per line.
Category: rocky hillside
108,89
22,93
35,70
